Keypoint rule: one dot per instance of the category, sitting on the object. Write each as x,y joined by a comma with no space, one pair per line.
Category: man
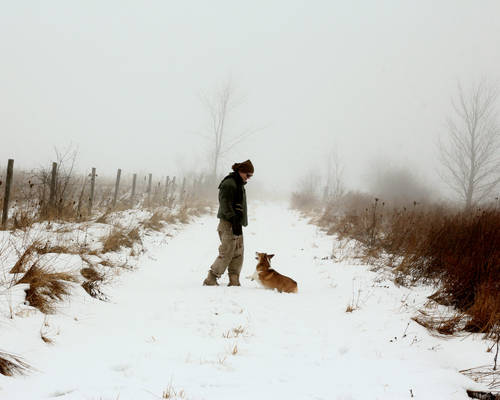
232,215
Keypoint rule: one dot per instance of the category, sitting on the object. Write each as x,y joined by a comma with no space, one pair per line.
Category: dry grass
462,253
46,287
221,360
134,235
183,215
350,308
46,339
171,393
155,222
170,219
118,238
444,325
93,288
93,283
91,274
473,394
20,265
47,248
11,365
234,333
487,376
23,219
355,300
103,219
455,250
106,263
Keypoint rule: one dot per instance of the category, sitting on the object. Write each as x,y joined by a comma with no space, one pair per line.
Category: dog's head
263,258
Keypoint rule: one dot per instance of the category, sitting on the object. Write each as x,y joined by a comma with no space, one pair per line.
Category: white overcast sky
121,81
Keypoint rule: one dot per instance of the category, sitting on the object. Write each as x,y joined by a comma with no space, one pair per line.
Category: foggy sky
121,81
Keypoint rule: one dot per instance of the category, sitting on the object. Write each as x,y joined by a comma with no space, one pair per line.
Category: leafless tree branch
471,156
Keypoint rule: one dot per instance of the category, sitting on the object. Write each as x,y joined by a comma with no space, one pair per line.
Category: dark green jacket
231,193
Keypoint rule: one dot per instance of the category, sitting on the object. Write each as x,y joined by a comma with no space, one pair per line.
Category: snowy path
164,332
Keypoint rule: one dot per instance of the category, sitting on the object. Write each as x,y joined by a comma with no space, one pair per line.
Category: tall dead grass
155,221
462,252
46,287
457,251
11,365
119,237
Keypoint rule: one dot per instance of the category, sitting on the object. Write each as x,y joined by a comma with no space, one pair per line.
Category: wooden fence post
132,196
183,189
8,183
165,195
173,185
117,186
92,187
149,188
52,196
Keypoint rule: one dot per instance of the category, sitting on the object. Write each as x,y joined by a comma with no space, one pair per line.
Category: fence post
165,195
92,187
183,189
117,186
8,183
134,181
149,188
52,196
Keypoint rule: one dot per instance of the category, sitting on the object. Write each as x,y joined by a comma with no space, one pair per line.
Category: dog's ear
269,256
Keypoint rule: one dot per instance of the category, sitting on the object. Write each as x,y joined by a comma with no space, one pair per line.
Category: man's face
245,176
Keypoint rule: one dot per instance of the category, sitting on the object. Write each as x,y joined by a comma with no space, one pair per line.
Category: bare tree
64,184
220,105
471,156
335,188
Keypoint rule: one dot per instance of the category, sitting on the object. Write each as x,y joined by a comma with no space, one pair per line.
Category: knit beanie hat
245,166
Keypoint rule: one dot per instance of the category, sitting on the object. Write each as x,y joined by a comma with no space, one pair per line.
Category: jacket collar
239,180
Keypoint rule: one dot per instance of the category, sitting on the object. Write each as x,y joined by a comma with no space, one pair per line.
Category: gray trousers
230,251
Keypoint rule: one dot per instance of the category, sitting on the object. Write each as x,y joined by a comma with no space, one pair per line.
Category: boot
211,280
234,280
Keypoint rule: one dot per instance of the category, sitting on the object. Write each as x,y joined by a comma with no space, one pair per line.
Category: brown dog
271,279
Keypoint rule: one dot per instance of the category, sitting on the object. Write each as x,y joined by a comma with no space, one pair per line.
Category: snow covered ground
164,335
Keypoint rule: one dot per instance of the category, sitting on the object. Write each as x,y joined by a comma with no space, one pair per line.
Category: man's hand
238,209
236,225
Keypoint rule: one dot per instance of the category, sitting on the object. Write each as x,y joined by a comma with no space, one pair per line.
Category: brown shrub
118,238
170,218
91,274
134,235
155,222
46,287
485,311
23,219
458,251
183,215
362,225
463,252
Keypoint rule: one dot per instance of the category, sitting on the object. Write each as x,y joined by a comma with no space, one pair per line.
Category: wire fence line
60,193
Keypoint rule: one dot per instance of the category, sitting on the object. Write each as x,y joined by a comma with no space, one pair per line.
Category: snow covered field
164,335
